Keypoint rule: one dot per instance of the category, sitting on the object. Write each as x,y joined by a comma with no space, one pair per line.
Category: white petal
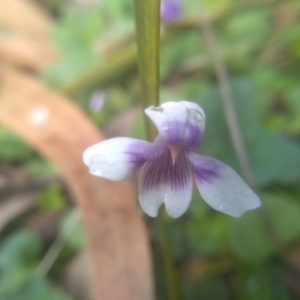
221,187
179,123
165,181
118,158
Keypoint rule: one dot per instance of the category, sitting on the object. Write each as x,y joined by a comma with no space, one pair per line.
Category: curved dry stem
117,238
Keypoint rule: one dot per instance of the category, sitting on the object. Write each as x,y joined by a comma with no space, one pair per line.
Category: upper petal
166,181
118,158
178,123
221,187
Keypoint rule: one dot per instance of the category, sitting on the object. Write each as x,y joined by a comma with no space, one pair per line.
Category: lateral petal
168,181
221,187
178,123
118,158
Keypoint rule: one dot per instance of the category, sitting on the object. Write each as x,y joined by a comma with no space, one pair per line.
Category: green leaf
78,26
76,239
250,240
273,156
39,167
261,282
179,50
13,281
253,283
207,232
22,284
51,198
208,290
40,288
241,31
20,248
75,36
284,214
12,147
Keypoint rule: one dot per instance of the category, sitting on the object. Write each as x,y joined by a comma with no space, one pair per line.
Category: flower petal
118,158
166,181
221,187
178,123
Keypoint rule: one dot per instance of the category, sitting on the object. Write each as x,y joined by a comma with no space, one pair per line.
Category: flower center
174,152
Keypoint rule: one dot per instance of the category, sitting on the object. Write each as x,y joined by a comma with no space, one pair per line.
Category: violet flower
170,10
169,165
97,101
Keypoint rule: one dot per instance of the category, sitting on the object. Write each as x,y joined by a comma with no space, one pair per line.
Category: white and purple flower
169,165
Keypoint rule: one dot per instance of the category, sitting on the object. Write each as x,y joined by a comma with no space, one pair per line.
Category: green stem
147,20
169,266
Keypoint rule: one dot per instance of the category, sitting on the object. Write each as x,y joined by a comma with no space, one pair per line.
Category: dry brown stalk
118,242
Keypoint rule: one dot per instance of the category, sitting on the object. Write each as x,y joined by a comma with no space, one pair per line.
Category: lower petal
221,187
118,158
168,181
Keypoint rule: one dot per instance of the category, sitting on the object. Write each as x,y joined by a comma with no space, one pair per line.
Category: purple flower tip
170,10
97,101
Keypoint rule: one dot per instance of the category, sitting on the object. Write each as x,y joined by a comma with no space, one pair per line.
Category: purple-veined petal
178,123
118,158
168,181
221,187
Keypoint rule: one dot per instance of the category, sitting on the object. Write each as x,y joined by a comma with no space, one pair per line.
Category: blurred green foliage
76,240
51,198
19,255
15,149
260,43
265,148
76,33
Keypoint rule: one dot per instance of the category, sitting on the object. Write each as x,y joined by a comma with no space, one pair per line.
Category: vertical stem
169,266
147,20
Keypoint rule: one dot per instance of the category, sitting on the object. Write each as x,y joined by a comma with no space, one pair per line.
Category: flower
97,101
169,165
170,10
